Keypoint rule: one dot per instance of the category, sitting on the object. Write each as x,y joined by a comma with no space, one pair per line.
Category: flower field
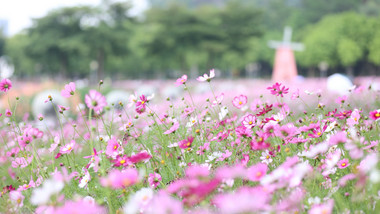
215,148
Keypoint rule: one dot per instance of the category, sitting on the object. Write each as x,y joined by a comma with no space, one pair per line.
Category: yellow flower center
142,102
250,122
115,147
122,161
343,164
258,174
319,133
377,115
240,102
267,157
19,201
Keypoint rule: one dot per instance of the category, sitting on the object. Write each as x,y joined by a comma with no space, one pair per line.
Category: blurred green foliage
192,36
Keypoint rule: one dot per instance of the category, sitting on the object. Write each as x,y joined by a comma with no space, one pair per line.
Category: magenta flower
5,85
8,113
154,179
182,80
277,90
207,78
95,100
374,115
239,101
343,163
69,90
142,156
186,143
141,104
120,179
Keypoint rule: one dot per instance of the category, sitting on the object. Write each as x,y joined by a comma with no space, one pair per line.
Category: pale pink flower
207,78
354,118
95,100
17,198
249,121
182,80
173,128
69,90
256,172
322,208
66,149
239,101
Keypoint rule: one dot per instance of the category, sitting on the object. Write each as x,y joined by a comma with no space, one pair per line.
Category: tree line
175,37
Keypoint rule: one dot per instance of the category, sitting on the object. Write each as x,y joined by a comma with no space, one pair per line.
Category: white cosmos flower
223,112
84,181
138,202
42,195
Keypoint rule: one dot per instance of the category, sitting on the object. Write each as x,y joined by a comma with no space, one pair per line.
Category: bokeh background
161,39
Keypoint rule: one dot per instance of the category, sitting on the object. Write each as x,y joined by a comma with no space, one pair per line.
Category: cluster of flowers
216,156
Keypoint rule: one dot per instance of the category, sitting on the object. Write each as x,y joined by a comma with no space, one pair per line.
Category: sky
19,13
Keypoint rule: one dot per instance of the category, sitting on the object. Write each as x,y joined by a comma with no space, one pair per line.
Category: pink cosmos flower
120,179
174,127
186,143
112,148
69,90
17,198
61,109
182,80
343,163
8,113
66,149
22,162
340,137
154,179
374,115
207,78
256,172
122,161
5,85
239,101
341,100
163,203
354,118
322,208
249,121
277,90
142,156
95,100
141,104
295,95
241,201
81,206
218,100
